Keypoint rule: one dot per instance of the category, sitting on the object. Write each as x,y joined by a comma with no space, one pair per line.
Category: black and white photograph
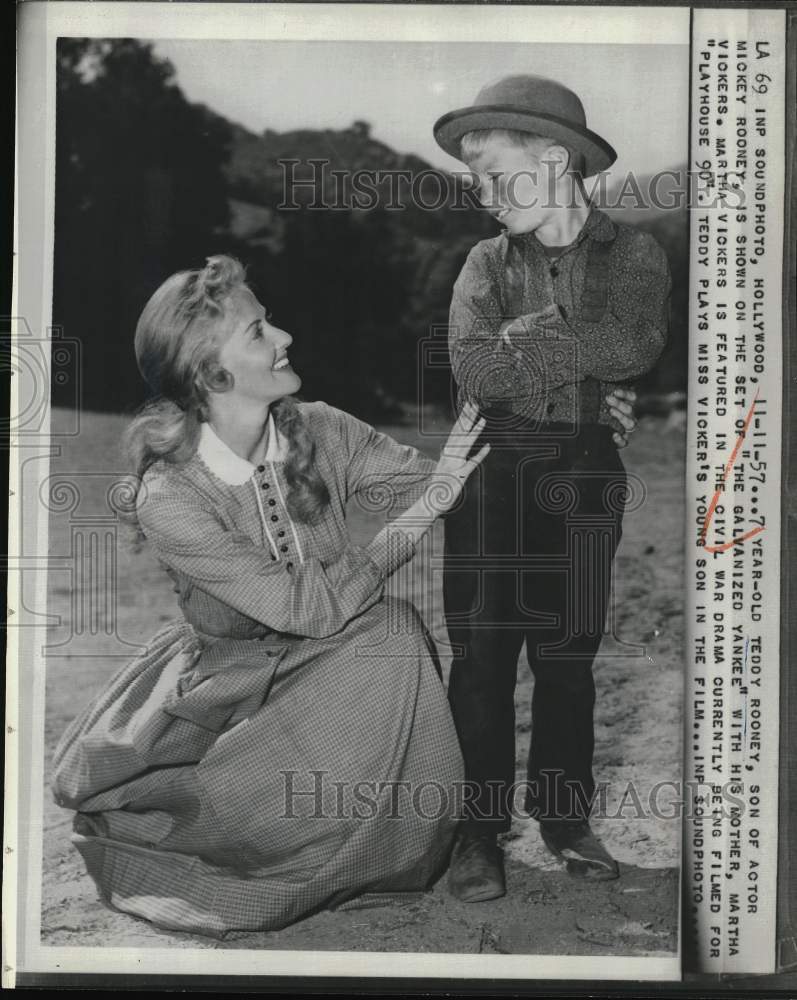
357,455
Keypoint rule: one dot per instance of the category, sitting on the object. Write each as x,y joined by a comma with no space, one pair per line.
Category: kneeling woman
268,754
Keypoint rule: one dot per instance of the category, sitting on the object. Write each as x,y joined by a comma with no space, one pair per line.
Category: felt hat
528,103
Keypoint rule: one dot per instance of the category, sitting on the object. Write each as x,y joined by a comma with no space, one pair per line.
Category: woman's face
255,351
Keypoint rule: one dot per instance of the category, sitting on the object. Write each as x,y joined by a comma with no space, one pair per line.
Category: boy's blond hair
474,143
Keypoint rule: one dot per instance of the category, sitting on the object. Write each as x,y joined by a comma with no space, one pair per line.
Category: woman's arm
312,599
382,474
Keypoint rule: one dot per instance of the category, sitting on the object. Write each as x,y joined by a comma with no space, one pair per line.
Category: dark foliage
140,192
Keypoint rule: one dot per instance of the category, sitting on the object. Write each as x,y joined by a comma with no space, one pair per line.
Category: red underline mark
715,499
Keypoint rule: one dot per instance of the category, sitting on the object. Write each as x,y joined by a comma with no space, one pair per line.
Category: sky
635,96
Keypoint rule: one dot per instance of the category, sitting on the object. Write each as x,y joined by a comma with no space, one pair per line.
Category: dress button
272,502
274,517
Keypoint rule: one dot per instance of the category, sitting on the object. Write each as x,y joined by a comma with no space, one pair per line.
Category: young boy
546,320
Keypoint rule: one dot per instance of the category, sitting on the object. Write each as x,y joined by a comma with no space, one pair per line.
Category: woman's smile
256,352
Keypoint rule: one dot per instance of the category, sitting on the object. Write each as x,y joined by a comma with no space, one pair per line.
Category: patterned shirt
591,318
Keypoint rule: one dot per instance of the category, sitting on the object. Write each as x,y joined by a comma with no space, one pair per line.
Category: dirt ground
638,739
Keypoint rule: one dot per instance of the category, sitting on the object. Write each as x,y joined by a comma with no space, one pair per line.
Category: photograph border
35,128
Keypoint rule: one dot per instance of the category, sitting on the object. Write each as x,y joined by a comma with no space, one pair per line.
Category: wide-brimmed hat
528,103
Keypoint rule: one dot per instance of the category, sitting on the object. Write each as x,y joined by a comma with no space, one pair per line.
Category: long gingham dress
286,745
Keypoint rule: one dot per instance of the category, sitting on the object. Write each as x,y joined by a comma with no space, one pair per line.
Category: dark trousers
528,557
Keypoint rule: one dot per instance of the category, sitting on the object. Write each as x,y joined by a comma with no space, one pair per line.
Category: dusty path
638,749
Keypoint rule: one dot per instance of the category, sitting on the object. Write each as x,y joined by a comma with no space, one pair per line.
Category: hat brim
448,131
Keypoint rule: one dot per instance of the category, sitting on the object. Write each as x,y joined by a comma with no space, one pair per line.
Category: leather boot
583,854
477,868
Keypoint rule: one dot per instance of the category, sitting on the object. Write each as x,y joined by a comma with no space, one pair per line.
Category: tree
140,192
361,128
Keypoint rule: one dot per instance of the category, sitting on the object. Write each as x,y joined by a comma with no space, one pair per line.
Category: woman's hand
454,467
621,406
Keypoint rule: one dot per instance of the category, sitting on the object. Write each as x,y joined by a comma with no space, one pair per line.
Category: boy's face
516,185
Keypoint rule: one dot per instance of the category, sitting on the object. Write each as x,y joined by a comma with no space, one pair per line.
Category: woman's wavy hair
177,344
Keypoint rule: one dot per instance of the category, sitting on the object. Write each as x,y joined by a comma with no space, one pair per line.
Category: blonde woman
286,745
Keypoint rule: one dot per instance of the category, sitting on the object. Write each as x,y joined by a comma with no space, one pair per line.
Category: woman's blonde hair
177,343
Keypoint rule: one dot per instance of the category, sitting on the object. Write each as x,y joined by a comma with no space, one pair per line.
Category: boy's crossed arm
488,349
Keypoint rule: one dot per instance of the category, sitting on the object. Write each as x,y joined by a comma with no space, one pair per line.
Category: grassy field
638,730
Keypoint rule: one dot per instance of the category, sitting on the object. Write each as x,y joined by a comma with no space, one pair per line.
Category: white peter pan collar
231,468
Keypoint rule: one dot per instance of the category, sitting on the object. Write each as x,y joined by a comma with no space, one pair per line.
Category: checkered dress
286,745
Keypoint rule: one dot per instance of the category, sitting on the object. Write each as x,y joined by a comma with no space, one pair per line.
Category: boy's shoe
583,854
477,868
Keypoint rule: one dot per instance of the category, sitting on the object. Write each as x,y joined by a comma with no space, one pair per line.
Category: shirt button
264,486
283,548
550,408
289,565
554,271
280,533
261,468
272,502
274,517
